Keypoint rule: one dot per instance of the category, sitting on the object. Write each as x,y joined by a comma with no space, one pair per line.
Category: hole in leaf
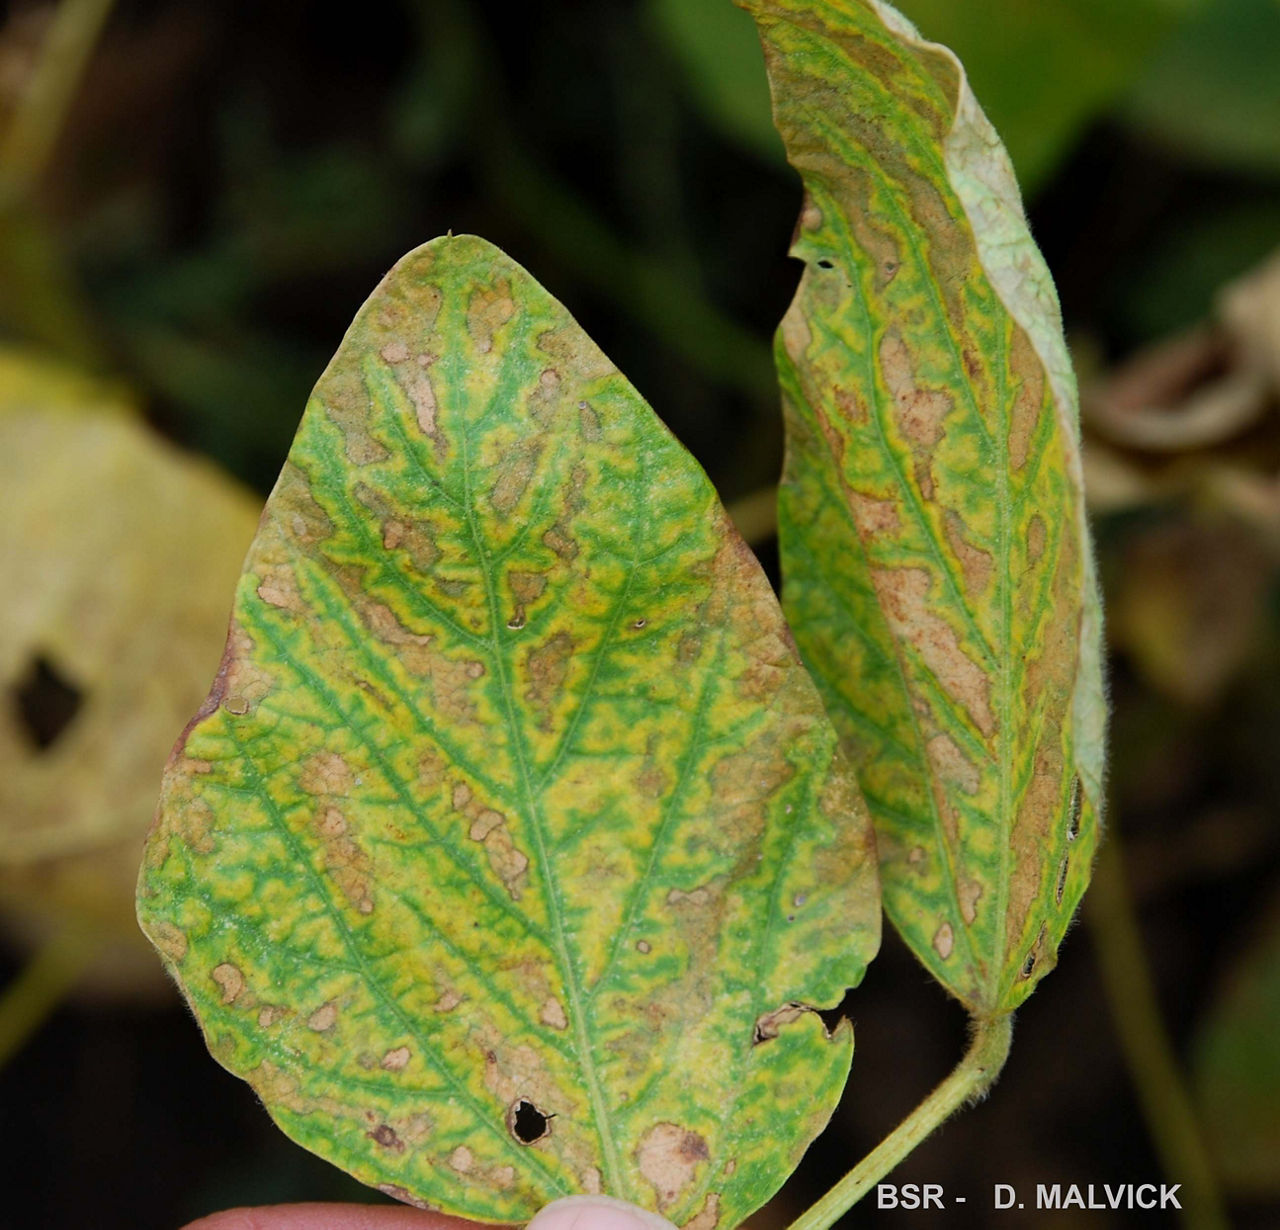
771,1023
1062,880
46,702
527,1122
1073,822
1029,965
825,264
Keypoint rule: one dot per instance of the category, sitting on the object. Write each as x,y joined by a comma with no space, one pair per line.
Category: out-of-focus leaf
116,553
937,565
1043,71
720,52
513,838
1214,90
1186,604
1236,1070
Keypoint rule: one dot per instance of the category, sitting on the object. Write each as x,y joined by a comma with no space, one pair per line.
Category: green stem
42,985
33,131
1148,1051
972,1077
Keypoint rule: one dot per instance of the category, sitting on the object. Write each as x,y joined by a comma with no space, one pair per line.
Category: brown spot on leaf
975,563
951,764
643,946
1036,536
708,1216
920,411
873,515
384,1134
514,474
969,892
323,1018
668,1156
1028,398
461,1160
326,773
546,668
395,352
904,597
484,824
397,1060
169,940
553,1014
403,1195
490,308
448,1001
230,981
944,941
591,1181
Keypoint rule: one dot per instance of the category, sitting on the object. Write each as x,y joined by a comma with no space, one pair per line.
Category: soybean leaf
937,565
512,841
116,554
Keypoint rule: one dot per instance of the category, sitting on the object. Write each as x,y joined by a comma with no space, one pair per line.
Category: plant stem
41,986
972,1077
1145,1043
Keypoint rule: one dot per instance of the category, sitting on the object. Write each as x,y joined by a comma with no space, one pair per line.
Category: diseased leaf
937,564
116,556
512,820
1237,1069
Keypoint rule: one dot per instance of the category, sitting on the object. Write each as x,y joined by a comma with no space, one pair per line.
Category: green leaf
512,805
720,54
1237,1068
1213,91
1044,71
937,565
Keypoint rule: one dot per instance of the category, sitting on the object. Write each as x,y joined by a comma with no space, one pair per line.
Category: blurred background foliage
194,199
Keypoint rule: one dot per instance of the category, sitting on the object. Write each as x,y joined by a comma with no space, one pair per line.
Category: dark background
235,177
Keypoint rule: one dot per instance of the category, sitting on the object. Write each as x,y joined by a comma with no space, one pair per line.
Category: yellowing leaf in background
116,554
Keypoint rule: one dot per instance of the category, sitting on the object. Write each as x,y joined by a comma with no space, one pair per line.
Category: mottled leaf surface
937,564
512,812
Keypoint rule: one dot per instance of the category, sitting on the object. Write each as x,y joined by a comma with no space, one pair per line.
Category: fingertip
597,1213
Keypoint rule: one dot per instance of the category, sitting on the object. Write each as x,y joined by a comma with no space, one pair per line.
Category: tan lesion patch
920,411
969,893
230,981
323,1018
462,1160
279,588
546,667
489,309
487,825
944,941
244,684
707,1217
1028,399
326,773
553,1014
874,515
904,595
397,1060
668,1157
976,565
951,764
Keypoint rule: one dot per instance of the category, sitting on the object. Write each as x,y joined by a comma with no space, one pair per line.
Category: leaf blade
508,752
931,427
